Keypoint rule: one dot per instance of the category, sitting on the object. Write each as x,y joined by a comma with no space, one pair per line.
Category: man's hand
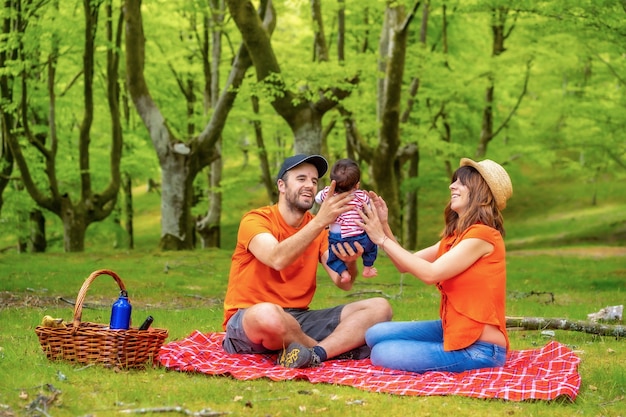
346,252
348,255
334,205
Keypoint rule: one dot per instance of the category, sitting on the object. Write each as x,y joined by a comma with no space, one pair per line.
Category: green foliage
14,214
570,120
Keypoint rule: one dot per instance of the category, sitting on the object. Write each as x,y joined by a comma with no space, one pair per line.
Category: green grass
188,298
184,291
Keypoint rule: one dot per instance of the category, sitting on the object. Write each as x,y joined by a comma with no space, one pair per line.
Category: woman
468,267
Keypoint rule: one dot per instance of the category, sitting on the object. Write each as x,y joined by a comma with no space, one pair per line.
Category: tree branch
541,323
519,101
613,71
410,16
354,136
336,94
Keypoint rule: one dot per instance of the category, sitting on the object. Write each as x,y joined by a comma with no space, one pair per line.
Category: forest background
100,97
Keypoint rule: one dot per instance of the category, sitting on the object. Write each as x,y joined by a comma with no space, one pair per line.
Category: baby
347,176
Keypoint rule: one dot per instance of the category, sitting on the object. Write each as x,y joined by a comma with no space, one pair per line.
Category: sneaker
298,356
362,352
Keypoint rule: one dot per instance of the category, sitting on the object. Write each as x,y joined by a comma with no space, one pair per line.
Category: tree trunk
6,157
74,226
214,215
320,50
385,170
486,131
37,242
411,212
341,31
7,119
209,227
498,29
268,181
175,159
180,163
177,227
127,189
411,198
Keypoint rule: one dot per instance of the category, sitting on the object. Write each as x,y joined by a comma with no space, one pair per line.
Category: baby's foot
345,276
369,272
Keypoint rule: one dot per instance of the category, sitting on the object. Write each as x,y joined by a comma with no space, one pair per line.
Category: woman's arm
379,204
448,265
430,253
422,264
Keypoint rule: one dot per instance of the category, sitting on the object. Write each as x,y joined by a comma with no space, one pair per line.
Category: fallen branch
367,292
202,413
542,323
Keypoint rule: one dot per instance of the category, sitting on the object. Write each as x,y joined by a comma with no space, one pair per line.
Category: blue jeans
370,250
417,346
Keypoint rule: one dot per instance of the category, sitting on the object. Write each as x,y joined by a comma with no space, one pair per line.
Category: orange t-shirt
476,296
251,282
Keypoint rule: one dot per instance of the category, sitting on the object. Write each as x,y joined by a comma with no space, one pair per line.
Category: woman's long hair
481,207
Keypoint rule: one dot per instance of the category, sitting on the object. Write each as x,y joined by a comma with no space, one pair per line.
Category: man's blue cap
293,161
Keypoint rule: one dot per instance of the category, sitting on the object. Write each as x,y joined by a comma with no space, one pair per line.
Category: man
273,277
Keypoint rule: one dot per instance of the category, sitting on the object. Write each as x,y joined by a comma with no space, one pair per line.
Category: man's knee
266,318
382,308
374,310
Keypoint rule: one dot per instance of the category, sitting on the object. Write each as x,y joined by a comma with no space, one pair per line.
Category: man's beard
295,204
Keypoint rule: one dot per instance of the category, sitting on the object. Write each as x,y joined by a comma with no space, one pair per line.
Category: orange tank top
476,296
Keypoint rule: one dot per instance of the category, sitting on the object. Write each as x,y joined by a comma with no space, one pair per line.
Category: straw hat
496,177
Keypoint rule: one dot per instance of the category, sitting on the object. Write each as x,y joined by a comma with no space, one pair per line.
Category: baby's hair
346,174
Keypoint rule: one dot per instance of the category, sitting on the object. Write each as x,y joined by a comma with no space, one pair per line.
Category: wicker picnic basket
90,343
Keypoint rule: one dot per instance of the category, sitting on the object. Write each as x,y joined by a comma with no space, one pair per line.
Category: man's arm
279,255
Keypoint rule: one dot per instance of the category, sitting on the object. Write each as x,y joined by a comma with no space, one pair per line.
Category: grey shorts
317,324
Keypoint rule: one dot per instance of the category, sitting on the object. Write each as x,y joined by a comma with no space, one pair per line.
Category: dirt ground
591,252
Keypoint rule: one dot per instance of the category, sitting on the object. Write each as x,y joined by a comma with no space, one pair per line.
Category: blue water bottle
120,312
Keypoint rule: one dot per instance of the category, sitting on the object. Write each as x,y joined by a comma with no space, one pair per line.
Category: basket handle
78,307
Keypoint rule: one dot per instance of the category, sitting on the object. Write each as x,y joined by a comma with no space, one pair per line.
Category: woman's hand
380,206
371,220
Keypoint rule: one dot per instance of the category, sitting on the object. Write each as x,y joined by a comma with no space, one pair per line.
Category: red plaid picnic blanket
535,374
